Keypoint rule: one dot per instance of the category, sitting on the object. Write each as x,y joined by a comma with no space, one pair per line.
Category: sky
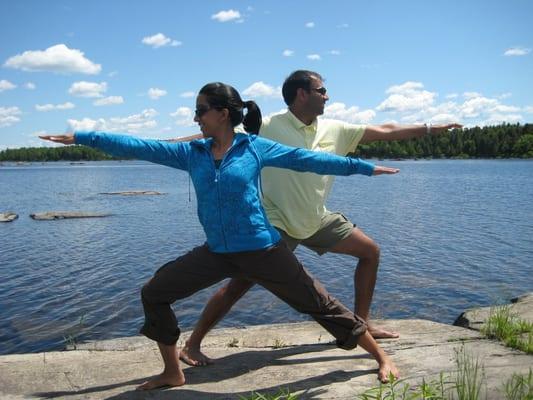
135,66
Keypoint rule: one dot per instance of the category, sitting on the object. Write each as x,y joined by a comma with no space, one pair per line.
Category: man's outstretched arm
389,132
185,138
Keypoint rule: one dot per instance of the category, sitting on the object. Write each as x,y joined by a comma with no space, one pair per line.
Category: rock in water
8,217
135,193
50,215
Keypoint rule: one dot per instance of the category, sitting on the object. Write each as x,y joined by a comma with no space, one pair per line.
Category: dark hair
220,95
300,79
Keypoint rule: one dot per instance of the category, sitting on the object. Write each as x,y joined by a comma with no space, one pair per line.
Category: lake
453,234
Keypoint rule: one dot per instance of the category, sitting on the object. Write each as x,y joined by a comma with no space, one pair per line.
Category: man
295,202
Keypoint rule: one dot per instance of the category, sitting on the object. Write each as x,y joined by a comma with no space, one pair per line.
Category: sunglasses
200,111
322,90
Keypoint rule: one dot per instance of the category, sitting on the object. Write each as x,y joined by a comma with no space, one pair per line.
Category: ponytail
252,119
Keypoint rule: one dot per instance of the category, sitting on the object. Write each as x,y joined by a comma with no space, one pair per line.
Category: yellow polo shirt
295,201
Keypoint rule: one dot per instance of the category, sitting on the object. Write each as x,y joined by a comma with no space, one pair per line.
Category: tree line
501,141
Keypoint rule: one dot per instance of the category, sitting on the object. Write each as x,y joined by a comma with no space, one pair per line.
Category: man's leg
357,244
216,308
278,270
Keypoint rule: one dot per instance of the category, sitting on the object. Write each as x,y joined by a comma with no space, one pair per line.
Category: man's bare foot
386,369
165,379
193,356
379,333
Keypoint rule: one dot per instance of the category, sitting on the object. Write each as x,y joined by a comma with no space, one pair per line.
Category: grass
519,387
465,384
71,338
508,328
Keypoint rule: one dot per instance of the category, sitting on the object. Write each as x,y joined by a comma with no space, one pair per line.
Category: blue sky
135,66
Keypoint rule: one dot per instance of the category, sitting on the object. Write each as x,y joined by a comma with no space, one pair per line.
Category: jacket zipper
217,179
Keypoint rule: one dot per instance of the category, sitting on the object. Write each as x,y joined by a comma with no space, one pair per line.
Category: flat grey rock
51,215
8,217
135,193
474,318
264,358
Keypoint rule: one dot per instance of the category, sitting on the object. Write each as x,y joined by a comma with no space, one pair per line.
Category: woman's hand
380,170
65,139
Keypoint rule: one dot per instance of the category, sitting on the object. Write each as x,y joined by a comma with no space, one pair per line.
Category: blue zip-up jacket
229,201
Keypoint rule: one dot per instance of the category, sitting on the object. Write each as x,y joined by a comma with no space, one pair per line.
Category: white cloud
88,89
188,95
517,51
30,86
407,97
310,25
184,116
9,116
350,114
108,101
475,106
58,58
137,123
334,52
52,107
529,109
225,16
505,95
452,96
261,89
405,88
314,57
112,74
160,40
343,26
6,85
471,95
155,93
288,53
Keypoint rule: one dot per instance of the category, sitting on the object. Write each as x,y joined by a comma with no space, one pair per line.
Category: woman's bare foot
386,368
174,378
193,356
380,333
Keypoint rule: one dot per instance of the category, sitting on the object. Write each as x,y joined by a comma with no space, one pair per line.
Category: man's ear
301,94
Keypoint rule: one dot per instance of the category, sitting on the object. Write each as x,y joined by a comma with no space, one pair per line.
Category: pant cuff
353,337
166,338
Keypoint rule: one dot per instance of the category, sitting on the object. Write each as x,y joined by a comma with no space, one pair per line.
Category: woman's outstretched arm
170,154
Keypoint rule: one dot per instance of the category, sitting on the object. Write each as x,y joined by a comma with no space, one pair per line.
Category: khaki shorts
334,227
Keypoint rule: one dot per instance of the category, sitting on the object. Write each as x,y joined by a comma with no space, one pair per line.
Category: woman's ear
225,114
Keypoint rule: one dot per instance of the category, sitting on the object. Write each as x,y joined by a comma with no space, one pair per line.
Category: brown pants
275,268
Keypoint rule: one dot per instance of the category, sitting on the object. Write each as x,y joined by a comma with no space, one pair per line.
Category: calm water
453,235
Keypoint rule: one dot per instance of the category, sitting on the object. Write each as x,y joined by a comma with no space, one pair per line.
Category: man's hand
65,139
439,129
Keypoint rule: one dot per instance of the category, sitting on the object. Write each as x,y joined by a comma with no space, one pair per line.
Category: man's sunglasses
322,90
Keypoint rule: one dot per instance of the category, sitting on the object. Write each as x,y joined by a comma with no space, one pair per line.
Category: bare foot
193,356
379,333
165,379
386,369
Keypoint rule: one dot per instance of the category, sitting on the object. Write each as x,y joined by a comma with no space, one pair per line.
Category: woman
225,169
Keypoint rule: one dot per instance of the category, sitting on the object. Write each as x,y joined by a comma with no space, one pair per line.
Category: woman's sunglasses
200,111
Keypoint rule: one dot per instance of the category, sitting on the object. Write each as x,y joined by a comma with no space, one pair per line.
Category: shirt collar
299,124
